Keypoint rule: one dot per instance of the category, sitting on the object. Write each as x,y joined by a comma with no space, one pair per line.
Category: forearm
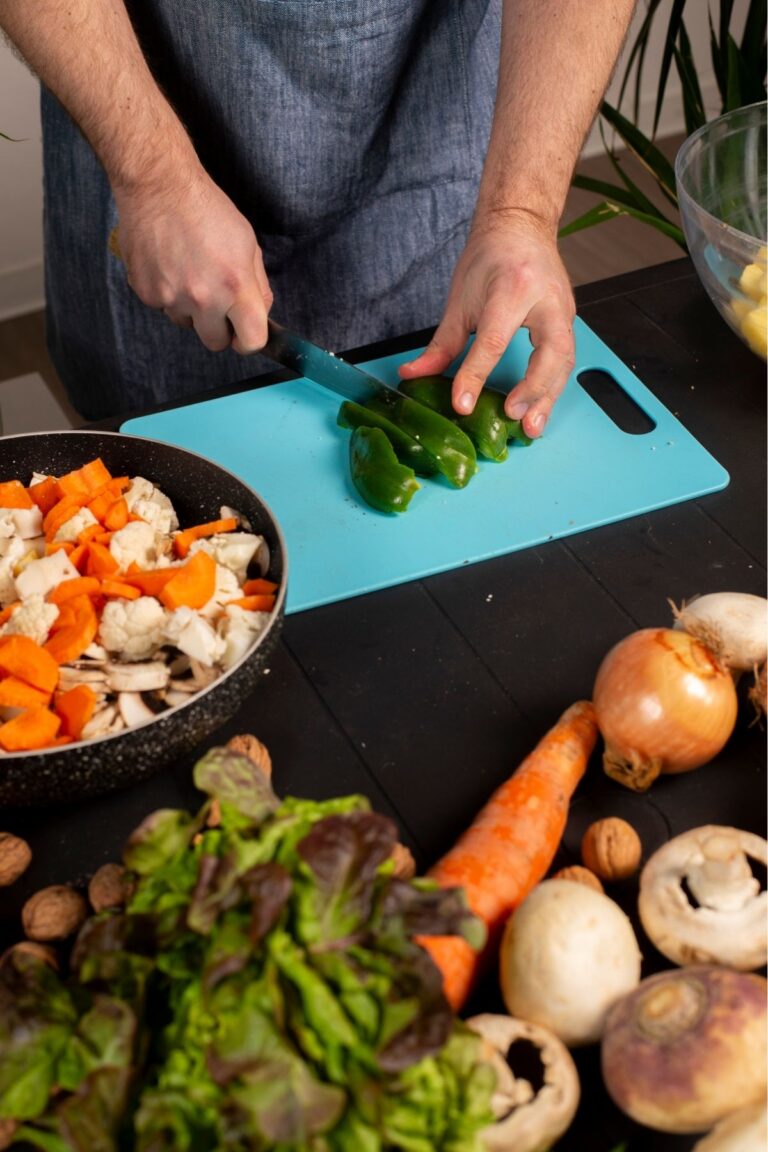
86,53
557,57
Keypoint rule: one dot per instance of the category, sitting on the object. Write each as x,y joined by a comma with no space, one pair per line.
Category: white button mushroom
528,1119
728,924
567,954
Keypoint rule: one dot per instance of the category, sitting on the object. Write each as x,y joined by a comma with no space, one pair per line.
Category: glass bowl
720,173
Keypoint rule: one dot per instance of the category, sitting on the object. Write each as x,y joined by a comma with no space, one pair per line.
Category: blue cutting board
283,441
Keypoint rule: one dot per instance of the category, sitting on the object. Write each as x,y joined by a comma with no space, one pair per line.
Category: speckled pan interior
197,488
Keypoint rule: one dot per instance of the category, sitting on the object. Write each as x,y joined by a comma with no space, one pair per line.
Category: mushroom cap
568,952
687,1047
528,1120
729,925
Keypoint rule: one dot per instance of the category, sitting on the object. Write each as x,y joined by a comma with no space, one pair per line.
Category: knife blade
301,355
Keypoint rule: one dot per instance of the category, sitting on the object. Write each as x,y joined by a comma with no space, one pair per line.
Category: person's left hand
509,276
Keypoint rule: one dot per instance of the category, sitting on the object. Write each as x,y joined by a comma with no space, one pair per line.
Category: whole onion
663,703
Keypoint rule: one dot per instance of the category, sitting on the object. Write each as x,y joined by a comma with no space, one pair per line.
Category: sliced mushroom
530,1114
179,664
173,697
70,675
203,675
726,923
133,709
101,722
137,677
96,652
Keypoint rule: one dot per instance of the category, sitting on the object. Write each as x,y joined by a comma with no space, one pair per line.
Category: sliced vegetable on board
510,845
377,474
487,425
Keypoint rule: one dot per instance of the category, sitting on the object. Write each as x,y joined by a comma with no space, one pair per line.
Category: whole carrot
511,843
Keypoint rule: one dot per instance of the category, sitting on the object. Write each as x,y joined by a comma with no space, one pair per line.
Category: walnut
28,948
405,865
611,848
15,855
108,887
580,876
53,913
253,748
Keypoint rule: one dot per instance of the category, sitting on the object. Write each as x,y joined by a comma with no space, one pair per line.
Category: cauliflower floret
132,629
239,628
43,575
134,544
24,522
227,588
71,529
33,618
194,636
144,500
234,550
8,561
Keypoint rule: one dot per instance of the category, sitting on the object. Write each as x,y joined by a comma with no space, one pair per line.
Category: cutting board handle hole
617,404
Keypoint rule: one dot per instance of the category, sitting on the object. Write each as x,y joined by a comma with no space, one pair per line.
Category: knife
310,360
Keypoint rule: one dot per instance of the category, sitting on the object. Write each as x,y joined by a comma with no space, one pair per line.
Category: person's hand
509,276
190,252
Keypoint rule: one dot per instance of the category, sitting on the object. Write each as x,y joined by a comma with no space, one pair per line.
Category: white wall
21,274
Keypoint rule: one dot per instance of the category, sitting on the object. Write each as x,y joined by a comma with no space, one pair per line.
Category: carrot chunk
77,586
259,587
60,545
264,603
15,693
35,728
13,494
100,561
21,657
121,589
150,582
117,515
75,708
69,642
78,557
45,494
184,540
193,585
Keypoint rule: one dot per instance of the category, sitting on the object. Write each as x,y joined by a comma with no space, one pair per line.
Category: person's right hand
190,252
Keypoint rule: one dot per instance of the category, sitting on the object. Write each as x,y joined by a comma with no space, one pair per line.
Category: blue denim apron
349,132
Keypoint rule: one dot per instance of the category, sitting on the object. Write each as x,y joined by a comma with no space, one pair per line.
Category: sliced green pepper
487,425
408,450
451,448
379,477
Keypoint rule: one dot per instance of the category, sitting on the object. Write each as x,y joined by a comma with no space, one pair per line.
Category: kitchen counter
426,695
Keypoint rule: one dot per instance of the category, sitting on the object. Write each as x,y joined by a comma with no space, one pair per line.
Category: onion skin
663,704
687,1047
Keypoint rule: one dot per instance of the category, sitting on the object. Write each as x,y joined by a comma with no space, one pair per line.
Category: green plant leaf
753,43
733,94
604,189
639,199
693,103
610,211
719,62
645,150
637,52
673,27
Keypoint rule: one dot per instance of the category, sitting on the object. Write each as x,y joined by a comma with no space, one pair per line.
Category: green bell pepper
450,447
487,425
377,474
408,450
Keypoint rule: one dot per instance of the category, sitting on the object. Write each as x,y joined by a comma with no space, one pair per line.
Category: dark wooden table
427,695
